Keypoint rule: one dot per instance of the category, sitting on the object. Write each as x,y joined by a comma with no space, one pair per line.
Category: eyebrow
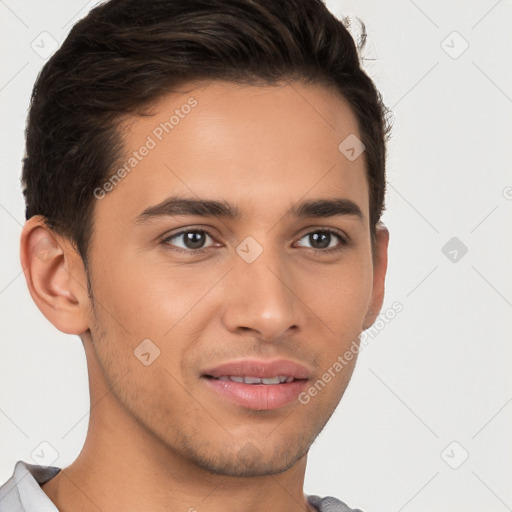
175,205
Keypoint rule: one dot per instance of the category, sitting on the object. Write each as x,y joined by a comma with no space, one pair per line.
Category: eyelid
182,231
344,240
326,229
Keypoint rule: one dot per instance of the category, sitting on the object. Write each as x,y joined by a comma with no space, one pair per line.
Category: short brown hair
126,54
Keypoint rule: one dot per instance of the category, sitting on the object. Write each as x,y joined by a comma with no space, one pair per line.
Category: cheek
340,295
169,305
147,298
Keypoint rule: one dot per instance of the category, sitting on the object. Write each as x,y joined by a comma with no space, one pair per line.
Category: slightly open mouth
248,379
253,392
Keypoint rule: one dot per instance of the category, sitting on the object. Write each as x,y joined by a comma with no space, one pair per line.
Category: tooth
270,380
252,380
278,379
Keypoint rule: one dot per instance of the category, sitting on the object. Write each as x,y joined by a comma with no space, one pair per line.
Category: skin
159,438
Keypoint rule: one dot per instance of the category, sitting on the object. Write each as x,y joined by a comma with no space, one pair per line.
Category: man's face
273,293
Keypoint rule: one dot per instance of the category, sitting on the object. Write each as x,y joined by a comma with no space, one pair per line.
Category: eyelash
343,241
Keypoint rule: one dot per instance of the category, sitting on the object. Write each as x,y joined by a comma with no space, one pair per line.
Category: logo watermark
157,135
342,360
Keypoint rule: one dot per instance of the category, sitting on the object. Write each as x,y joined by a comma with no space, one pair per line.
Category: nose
260,297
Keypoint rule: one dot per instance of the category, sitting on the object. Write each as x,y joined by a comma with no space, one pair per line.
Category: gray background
433,386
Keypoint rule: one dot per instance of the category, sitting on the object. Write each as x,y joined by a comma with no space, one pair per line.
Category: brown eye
191,240
325,240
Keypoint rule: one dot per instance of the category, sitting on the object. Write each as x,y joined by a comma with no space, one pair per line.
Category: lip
258,396
260,368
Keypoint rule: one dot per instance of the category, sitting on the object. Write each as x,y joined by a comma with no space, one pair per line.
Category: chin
250,460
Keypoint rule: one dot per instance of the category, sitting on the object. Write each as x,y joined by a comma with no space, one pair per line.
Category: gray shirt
23,493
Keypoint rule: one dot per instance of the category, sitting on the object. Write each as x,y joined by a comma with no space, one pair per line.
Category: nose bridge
262,298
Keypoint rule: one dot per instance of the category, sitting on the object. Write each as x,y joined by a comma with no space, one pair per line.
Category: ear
55,275
380,265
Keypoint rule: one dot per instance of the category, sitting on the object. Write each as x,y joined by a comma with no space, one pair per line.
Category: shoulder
23,493
330,504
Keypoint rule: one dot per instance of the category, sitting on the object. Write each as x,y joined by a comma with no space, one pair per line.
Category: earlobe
54,276
380,265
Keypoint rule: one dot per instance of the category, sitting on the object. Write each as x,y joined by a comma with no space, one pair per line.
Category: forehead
254,146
